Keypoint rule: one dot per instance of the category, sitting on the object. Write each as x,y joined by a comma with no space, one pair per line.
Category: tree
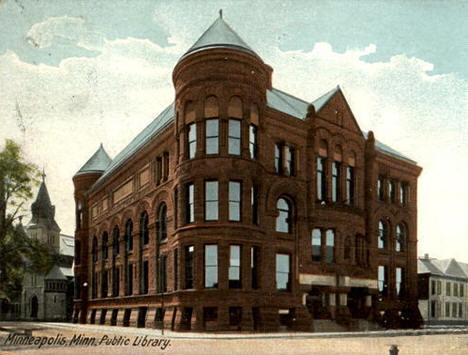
17,251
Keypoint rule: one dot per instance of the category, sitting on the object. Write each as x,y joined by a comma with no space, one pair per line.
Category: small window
279,158
448,289
235,316
391,191
162,222
399,280
290,161
316,245
399,238
211,200
254,204
336,180
189,260
211,266
253,148
104,245
235,253
382,279
382,235
404,193
144,231
283,221
189,203
144,288
330,246
283,274
192,140
212,136
234,137
350,185
129,235
321,179
254,267
235,191
380,188
115,241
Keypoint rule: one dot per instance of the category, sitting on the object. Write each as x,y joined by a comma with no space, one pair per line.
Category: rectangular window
189,260
433,287
192,140
283,274
462,290
447,288
253,141
290,161
403,193
210,317
350,185
145,277
321,179
382,279
447,309
399,280
254,204
234,139
115,281
316,245
391,191
104,284
189,201
158,170
212,136
336,177
165,165
211,200
176,269
279,158
455,289
235,266
380,188
234,201
460,310
439,287
254,267
330,246
454,310
211,266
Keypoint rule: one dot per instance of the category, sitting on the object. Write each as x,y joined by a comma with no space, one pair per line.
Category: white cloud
42,34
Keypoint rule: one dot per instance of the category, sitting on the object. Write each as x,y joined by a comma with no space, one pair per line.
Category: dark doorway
126,319
103,316
34,306
141,317
357,302
114,316
187,318
256,318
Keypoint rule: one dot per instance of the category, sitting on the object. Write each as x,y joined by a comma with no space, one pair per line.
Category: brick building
241,207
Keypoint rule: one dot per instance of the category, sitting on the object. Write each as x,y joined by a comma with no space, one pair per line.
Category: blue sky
77,73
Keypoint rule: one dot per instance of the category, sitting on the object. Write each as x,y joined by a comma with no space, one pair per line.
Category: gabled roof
98,162
220,35
446,267
55,274
381,147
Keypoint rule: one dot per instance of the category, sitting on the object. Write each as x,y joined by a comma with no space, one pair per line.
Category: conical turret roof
98,163
42,208
220,35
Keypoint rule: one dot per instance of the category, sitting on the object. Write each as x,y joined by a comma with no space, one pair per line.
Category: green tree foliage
18,252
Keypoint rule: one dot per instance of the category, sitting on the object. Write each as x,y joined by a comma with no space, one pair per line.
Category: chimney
426,256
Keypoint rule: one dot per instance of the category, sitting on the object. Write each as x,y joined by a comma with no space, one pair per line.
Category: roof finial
220,13
43,175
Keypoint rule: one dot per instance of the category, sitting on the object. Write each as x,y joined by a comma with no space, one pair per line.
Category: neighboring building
443,291
50,296
241,207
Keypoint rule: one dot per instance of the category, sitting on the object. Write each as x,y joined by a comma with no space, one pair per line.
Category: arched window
162,222
144,232
94,250
400,237
128,235
283,221
104,245
382,235
115,241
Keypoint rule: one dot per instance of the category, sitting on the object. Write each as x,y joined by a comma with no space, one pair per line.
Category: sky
76,73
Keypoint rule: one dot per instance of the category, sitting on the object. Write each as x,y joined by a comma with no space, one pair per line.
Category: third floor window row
341,183
212,134
392,191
